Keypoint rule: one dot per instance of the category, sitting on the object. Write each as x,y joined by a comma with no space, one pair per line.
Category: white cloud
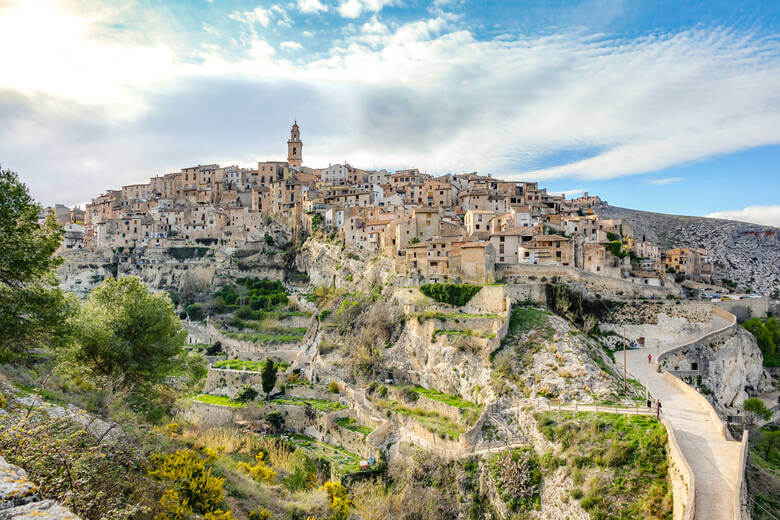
355,8
430,94
765,215
311,6
307,34
291,45
257,15
374,26
667,180
210,29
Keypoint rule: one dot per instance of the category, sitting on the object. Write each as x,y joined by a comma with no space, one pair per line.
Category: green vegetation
453,316
623,457
448,399
292,335
436,423
755,408
323,405
767,335
467,333
454,294
350,423
218,400
128,338
268,376
252,366
763,472
343,461
32,313
254,293
518,478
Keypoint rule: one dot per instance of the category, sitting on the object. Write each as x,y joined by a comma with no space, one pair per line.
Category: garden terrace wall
227,382
427,404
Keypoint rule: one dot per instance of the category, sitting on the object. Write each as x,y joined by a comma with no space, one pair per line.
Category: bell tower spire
295,146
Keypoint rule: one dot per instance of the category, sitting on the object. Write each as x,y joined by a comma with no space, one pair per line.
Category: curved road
713,460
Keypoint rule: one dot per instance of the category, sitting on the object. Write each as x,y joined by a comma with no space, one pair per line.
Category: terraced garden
219,400
342,461
434,422
252,366
323,405
350,423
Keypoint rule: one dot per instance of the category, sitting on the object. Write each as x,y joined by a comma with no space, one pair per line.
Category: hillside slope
748,254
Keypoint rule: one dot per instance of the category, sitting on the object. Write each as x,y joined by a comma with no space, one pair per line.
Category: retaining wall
712,337
741,508
699,400
682,477
520,274
746,308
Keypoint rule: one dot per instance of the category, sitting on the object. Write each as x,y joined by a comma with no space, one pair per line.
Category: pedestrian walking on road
658,410
649,358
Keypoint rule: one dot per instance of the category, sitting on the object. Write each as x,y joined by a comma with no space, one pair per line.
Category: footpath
714,460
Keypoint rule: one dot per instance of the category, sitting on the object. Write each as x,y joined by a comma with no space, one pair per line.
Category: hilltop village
462,227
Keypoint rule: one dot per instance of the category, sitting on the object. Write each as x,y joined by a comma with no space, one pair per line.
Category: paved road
713,460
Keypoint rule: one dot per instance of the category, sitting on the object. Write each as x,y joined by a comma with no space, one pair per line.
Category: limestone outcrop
20,500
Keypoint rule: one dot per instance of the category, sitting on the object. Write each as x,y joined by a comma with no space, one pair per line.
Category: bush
260,472
454,294
246,394
192,487
333,387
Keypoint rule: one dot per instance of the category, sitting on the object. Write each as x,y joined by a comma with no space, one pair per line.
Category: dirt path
713,460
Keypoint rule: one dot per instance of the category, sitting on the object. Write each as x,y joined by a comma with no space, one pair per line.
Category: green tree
127,332
754,408
770,442
269,376
246,394
33,313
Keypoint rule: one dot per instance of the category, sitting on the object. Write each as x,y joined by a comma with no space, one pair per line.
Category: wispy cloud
291,45
311,6
667,180
428,93
766,215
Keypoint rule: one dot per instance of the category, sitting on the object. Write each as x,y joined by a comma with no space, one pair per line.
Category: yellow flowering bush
340,503
263,514
261,471
192,486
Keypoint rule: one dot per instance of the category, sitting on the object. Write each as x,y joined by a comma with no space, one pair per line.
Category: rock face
19,498
327,264
727,371
748,254
733,369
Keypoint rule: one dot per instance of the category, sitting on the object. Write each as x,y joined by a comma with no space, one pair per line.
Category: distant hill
748,254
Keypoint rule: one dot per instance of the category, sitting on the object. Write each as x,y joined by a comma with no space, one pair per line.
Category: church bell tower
295,146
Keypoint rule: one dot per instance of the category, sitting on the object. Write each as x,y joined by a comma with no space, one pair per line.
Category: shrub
454,294
246,394
263,514
191,484
260,472
214,349
340,503
333,387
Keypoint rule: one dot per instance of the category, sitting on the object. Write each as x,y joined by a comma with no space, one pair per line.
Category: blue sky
660,105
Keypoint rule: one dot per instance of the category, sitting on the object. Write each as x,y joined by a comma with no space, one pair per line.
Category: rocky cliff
748,254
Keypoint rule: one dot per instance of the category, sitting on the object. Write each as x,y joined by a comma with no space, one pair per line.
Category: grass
350,423
455,316
252,366
343,461
449,399
219,400
621,458
466,333
323,405
431,421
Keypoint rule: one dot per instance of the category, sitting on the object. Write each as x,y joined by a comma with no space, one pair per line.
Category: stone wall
227,382
746,308
742,507
613,287
682,479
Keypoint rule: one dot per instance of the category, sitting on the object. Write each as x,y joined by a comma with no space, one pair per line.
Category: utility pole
625,390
